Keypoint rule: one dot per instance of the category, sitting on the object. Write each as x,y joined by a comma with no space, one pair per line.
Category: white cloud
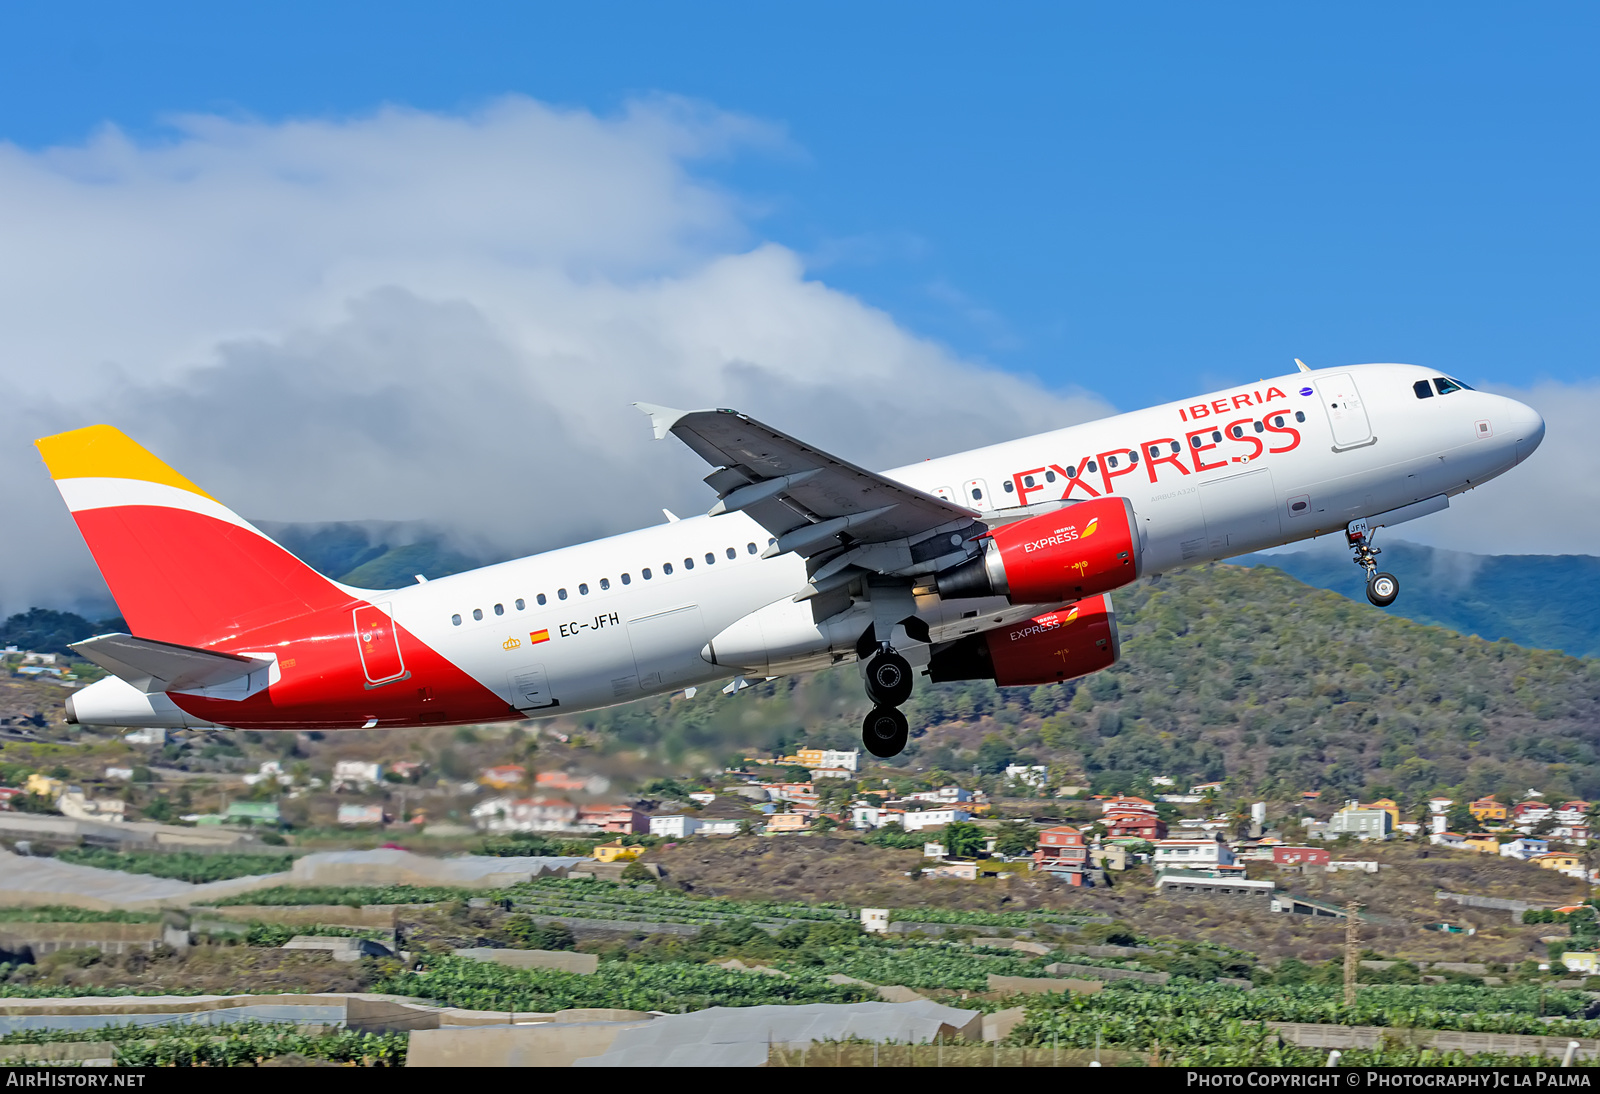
412,315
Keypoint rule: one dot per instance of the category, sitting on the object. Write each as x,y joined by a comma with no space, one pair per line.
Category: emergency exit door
378,645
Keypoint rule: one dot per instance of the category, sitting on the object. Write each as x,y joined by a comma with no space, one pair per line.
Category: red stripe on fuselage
184,577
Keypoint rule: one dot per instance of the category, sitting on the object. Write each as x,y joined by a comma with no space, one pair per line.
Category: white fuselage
1336,445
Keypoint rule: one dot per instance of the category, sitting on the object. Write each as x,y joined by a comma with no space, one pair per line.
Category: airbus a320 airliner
989,564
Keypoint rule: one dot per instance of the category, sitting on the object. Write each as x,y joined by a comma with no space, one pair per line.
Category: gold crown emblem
511,643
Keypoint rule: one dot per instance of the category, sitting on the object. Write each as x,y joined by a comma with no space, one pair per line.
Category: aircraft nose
1527,428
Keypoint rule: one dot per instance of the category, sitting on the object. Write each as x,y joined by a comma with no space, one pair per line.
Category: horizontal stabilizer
153,666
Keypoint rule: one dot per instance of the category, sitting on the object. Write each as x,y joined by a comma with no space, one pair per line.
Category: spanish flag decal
539,636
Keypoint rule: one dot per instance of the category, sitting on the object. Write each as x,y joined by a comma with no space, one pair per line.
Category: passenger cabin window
1260,426
1072,472
477,613
1299,415
732,553
605,583
521,604
1049,476
1111,461
710,558
646,574
750,547
1423,390
499,609
561,594
666,568
688,564
1027,480
1445,386
627,579
977,494
456,619
1008,488
541,599
583,588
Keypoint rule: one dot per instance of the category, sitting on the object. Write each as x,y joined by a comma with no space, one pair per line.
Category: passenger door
378,645
1346,414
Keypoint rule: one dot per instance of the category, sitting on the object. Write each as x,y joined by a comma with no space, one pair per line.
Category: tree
994,755
962,839
1016,838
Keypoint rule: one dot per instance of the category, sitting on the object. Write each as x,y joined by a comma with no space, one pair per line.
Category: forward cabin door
1346,414
378,645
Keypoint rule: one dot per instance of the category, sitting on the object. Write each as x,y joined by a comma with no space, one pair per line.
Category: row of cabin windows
1237,432
1445,385
605,582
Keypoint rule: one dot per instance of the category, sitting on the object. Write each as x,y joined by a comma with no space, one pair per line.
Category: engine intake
1047,649
1088,548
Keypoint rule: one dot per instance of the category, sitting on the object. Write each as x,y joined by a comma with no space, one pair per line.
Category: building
1526,814
1563,862
1580,961
1191,854
353,815
251,813
621,819
787,822
1187,884
355,775
1109,856
875,920
875,816
1570,813
1484,845
568,783
945,795
408,770
831,773
1438,814
933,818
1127,804
1145,826
507,814
43,786
1389,806
1300,856
847,759
615,852
1362,821
1034,775
145,737
1447,839
1525,848
504,777
1486,810
1203,788
1062,845
674,826
963,869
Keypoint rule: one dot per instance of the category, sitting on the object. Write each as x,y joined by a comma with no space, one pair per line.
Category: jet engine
1047,649
1088,548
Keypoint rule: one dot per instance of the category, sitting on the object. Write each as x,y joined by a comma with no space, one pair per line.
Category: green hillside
1227,672
1544,601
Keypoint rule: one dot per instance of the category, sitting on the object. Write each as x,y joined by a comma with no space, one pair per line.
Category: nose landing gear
1382,588
885,730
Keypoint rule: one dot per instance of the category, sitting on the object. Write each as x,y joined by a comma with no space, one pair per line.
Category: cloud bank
412,316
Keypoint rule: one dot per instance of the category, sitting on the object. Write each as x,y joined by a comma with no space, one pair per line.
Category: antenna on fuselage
1301,364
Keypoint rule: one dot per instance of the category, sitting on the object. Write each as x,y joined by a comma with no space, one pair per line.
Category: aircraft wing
153,666
815,504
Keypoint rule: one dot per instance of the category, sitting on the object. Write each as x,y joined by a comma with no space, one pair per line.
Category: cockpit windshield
1446,385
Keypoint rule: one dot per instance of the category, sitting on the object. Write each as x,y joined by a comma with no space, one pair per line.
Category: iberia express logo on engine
1065,534
1049,621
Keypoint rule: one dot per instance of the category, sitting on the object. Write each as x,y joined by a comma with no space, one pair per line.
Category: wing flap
153,666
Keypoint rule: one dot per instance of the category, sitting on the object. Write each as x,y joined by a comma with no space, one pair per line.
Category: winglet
1301,364
663,418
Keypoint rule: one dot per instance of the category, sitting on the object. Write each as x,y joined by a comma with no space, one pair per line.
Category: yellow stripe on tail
102,452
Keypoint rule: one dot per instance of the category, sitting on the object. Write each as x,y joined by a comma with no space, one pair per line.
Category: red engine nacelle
1092,547
1047,649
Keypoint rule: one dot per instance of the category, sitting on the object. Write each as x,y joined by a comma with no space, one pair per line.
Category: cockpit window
1422,389
1446,386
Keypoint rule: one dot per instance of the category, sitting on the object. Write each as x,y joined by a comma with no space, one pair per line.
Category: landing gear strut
885,731
1382,588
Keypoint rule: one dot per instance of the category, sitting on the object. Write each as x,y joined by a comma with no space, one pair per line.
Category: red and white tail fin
182,566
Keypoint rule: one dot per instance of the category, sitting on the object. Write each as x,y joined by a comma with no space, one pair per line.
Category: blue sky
1141,200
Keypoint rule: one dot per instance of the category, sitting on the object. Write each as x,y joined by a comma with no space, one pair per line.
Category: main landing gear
885,731
1382,588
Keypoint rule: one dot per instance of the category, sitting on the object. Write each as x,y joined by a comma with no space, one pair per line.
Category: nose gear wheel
1382,588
